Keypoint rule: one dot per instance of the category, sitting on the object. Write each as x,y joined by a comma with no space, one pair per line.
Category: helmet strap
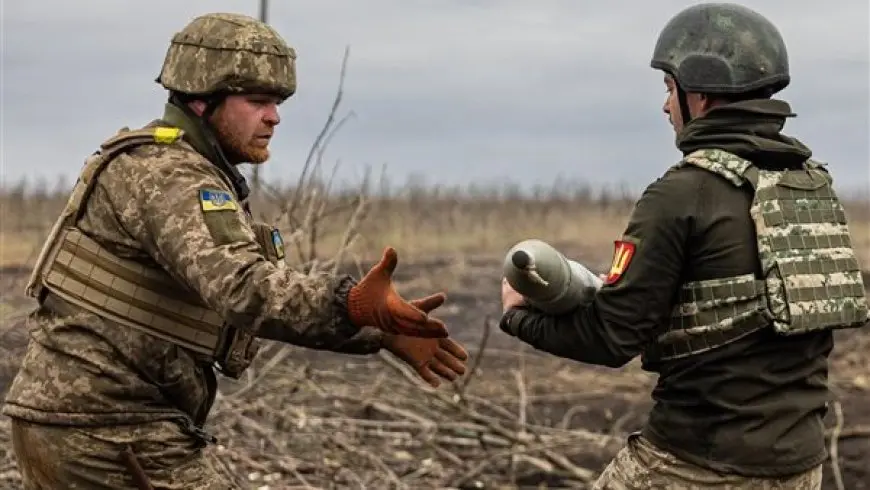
685,115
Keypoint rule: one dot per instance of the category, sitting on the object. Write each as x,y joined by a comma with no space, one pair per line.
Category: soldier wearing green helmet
733,271
156,273
724,51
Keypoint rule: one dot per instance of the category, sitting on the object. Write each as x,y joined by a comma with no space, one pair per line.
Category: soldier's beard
235,147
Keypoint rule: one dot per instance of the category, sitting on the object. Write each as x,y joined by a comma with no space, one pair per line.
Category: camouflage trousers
55,457
642,466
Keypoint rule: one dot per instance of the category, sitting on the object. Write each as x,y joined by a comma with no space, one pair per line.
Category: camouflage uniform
154,274
640,465
733,270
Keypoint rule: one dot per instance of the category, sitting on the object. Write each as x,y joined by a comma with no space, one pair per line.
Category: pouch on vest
811,279
80,271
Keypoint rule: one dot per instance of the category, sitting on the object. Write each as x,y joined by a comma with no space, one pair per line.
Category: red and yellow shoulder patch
622,254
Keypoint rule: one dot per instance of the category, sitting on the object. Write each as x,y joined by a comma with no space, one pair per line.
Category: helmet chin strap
685,115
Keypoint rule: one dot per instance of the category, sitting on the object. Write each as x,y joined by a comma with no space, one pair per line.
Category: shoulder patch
278,242
216,200
622,254
167,135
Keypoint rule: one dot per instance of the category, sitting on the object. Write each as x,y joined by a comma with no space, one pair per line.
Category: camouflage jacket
146,207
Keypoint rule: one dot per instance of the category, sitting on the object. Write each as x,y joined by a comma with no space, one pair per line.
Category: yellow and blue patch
216,200
279,243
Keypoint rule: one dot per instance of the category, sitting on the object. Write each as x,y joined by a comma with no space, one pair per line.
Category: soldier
734,268
155,273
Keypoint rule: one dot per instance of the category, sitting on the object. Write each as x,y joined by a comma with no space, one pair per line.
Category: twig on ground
834,446
475,361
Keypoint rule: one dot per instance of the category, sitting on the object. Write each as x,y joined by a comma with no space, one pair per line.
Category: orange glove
431,358
375,302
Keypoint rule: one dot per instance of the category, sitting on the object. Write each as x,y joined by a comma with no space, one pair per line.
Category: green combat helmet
722,49
229,53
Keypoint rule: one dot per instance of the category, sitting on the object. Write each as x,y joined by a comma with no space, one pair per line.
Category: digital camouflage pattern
722,48
709,314
66,457
226,52
640,465
82,372
811,279
90,388
79,272
147,207
811,271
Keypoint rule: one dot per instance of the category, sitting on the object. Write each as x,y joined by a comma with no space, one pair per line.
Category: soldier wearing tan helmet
155,272
733,271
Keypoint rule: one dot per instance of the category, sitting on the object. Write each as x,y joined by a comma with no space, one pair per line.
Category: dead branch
462,386
834,446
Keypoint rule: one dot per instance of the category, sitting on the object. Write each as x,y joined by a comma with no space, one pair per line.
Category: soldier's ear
198,106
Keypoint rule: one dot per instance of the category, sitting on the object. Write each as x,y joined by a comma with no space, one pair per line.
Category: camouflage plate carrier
811,279
83,274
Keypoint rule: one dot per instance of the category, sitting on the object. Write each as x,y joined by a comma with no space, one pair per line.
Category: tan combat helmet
229,53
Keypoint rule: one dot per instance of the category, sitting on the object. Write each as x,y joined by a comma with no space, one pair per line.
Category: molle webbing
131,294
75,268
810,278
78,270
94,165
806,252
709,314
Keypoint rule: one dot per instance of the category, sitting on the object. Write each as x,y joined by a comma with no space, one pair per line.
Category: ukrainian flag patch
278,242
216,200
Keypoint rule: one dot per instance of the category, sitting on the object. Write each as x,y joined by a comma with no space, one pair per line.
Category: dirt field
304,419
522,420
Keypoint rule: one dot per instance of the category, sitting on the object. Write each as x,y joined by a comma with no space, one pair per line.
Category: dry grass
303,419
530,420
425,225
419,223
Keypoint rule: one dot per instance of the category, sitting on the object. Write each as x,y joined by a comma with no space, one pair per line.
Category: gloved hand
431,358
375,302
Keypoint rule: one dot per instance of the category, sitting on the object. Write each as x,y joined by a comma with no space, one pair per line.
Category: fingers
387,264
428,330
401,310
445,371
428,376
430,302
389,261
419,326
410,320
436,325
449,362
454,348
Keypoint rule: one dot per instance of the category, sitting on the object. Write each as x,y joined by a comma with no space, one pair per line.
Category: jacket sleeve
628,311
177,206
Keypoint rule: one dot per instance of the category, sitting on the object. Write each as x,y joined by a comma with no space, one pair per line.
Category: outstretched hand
431,358
375,302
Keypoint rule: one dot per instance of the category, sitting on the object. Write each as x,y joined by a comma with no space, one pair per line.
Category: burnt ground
521,419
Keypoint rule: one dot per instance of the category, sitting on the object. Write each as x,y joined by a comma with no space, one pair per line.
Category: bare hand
509,297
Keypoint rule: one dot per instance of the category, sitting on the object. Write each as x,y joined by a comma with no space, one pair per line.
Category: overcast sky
455,90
